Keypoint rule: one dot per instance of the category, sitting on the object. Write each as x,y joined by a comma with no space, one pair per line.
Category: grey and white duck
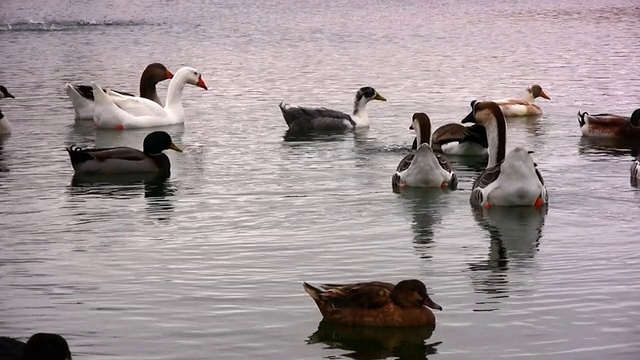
423,168
308,119
83,101
5,126
510,179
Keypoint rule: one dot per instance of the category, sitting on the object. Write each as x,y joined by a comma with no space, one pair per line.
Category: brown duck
375,303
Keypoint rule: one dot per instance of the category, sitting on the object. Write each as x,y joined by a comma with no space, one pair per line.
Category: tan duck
375,303
525,106
423,168
610,126
83,101
125,160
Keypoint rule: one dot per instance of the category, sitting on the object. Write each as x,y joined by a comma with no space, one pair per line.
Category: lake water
209,265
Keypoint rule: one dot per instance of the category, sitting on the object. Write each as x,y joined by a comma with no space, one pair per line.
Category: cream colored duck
82,98
526,106
423,168
114,111
5,126
511,180
635,171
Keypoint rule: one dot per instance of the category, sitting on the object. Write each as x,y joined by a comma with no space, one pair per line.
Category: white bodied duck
635,171
511,180
125,160
423,168
5,126
82,98
610,126
114,111
306,119
525,106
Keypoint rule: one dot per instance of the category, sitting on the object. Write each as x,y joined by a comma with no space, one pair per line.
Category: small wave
64,25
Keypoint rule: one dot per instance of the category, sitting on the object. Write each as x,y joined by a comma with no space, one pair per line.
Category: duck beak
429,303
168,74
544,95
201,83
175,147
469,118
379,97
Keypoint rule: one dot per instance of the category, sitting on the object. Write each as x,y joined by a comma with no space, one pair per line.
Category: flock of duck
510,179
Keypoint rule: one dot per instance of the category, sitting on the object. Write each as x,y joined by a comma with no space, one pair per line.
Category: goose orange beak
201,83
168,74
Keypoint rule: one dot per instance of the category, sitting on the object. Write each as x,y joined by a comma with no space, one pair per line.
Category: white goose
423,168
511,180
82,98
635,172
115,111
5,127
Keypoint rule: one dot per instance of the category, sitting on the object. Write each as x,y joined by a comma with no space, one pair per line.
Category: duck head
157,142
155,73
412,293
44,346
536,91
191,76
635,118
421,124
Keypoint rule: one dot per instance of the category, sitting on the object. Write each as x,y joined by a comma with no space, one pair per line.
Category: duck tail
581,119
287,113
314,292
77,155
100,95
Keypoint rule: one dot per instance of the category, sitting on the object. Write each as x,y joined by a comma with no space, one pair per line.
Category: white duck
525,106
115,111
82,98
5,127
511,180
423,168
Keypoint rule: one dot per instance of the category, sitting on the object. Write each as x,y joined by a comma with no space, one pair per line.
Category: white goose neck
360,116
176,86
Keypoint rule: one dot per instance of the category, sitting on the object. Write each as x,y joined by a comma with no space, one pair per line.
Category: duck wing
603,119
86,91
488,176
368,295
136,106
314,118
405,162
457,132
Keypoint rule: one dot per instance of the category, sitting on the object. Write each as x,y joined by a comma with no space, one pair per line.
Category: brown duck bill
429,303
544,95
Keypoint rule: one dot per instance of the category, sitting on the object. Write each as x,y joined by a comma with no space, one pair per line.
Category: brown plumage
610,126
375,303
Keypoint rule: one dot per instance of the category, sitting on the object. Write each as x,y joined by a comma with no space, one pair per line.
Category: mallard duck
83,101
610,126
40,346
511,180
635,171
124,160
5,126
307,119
525,106
375,303
115,111
424,168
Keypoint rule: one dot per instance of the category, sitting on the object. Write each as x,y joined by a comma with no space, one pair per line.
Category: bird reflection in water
514,234
364,342
426,208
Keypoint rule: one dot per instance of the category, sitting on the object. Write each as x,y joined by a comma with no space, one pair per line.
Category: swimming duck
525,106
610,126
123,160
635,171
511,180
307,119
82,98
40,346
5,126
424,168
375,303
457,139
115,111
